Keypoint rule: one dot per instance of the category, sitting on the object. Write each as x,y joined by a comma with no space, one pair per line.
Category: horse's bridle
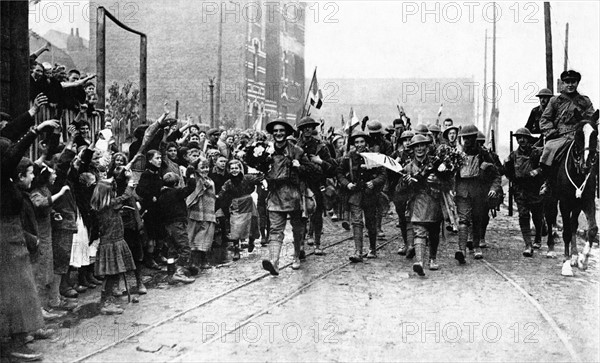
578,190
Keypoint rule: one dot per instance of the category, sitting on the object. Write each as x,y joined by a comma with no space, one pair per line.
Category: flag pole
304,109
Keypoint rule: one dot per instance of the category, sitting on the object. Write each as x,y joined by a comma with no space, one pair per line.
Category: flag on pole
316,96
258,123
439,114
353,120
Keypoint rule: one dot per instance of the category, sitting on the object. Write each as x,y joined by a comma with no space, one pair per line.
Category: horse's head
586,141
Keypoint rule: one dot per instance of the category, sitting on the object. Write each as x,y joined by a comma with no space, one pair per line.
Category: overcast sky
393,39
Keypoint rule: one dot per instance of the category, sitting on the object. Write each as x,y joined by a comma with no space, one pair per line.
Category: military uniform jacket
328,167
351,171
559,113
478,175
425,201
533,122
518,167
285,187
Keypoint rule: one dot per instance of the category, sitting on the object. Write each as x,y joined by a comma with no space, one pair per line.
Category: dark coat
350,170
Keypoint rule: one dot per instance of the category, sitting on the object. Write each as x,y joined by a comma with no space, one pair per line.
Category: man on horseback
558,124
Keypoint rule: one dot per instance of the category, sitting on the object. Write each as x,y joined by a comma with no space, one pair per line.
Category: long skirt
20,309
243,218
80,250
201,235
113,257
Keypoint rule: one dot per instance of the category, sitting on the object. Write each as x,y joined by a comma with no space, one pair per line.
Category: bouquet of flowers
258,156
448,160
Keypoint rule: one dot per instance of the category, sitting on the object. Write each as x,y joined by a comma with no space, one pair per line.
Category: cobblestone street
331,310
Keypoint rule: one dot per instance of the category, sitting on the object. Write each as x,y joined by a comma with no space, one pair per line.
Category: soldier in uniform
450,137
477,180
318,153
533,122
403,155
425,202
380,144
283,169
523,170
364,186
558,123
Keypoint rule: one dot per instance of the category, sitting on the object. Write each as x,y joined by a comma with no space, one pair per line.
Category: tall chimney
77,30
71,31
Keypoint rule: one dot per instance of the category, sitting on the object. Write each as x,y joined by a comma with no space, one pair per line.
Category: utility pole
548,30
484,126
211,86
494,118
219,71
566,47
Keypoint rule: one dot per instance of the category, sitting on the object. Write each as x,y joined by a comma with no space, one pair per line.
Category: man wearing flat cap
533,122
558,123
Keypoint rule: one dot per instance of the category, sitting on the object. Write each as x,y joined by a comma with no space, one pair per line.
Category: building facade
254,55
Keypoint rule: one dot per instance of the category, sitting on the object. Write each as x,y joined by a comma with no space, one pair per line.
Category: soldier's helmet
522,132
544,92
419,139
468,130
480,136
359,133
307,121
407,135
421,129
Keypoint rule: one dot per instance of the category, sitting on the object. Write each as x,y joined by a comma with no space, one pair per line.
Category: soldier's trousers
316,220
427,231
529,210
276,233
366,210
471,211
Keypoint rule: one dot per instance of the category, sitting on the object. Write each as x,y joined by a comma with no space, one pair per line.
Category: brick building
260,70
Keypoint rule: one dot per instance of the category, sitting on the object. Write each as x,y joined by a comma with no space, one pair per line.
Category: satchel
309,203
31,242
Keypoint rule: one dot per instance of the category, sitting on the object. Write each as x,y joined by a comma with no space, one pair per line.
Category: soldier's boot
372,244
463,234
547,186
358,244
419,256
204,265
272,264
526,232
410,238
297,252
318,249
236,250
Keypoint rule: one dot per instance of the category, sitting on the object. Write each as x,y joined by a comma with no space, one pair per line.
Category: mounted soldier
558,124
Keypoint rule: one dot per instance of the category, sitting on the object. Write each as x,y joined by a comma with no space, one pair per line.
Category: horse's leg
589,209
566,233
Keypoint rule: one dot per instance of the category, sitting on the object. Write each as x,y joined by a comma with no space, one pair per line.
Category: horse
575,190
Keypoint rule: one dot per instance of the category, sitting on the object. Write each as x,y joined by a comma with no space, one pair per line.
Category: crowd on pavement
85,213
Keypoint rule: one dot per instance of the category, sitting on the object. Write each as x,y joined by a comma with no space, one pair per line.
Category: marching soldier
477,180
380,144
283,169
523,169
317,153
558,123
403,156
364,186
450,137
425,203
